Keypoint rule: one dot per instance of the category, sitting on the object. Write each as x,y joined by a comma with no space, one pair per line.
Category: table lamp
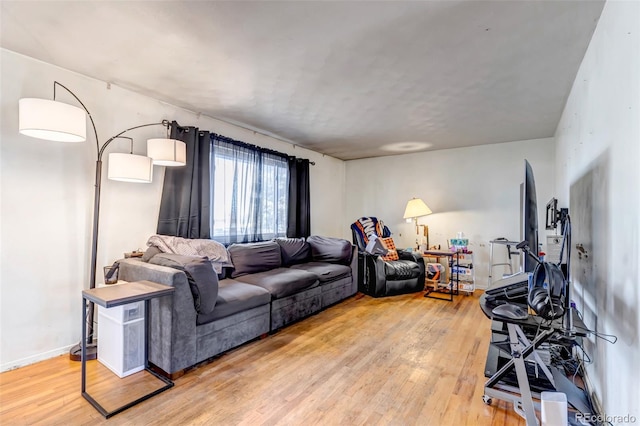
415,209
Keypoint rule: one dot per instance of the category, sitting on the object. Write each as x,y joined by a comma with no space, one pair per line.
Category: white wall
473,190
47,203
598,140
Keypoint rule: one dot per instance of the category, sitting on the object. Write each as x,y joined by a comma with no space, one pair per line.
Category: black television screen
529,216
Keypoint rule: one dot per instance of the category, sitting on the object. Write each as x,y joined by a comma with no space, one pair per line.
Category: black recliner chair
378,277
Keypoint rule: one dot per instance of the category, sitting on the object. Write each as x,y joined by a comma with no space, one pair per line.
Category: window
250,191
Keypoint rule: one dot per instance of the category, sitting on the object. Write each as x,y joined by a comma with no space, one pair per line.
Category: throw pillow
251,258
327,249
202,278
390,245
151,251
294,250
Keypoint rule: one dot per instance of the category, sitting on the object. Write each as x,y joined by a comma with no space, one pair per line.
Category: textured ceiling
341,78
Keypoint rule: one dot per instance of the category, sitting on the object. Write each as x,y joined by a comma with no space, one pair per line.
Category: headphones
546,295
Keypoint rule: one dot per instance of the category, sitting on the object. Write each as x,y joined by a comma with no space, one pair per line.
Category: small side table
453,283
117,295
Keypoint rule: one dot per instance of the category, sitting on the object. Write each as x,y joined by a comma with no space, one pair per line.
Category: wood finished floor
404,360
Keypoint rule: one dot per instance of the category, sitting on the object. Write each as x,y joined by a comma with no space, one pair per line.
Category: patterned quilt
365,227
213,250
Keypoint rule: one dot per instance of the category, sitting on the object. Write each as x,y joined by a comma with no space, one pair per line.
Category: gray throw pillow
251,258
327,249
202,278
294,250
151,251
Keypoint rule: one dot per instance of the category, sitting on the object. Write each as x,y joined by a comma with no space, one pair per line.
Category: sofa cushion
200,274
293,250
327,249
234,297
325,272
282,282
251,258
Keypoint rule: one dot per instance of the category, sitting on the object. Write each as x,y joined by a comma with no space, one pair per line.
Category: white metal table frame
508,245
143,294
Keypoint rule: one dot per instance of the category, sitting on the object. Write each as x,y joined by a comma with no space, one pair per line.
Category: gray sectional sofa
270,285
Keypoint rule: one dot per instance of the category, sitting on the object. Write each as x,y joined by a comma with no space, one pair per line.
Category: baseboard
12,365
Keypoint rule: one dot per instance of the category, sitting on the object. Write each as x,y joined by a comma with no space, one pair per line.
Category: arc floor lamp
61,122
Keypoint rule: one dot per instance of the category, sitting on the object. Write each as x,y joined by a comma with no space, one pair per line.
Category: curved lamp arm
100,150
164,123
93,124
96,205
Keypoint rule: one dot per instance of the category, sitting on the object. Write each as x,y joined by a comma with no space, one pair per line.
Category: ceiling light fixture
406,146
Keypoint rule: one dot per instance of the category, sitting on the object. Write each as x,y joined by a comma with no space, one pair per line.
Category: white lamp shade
52,120
130,168
167,152
416,208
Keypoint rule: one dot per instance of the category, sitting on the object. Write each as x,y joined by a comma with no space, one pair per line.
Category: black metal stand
523,347
453,284
167,382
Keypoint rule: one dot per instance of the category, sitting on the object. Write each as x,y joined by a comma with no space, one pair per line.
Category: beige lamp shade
130,168
416,208
167,152
51,120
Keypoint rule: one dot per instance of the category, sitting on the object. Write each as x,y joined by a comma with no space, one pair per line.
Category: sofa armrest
416,257
354,269
410,255
373,280
172,338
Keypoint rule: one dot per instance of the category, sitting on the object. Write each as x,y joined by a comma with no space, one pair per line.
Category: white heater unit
121,339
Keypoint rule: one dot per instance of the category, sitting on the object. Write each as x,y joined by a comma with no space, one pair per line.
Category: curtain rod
313,163
231,140
256,147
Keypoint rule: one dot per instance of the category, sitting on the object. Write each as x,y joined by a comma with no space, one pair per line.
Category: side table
452,283
109,297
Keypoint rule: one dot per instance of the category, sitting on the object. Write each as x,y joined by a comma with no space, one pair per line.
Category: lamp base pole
426,234
75,353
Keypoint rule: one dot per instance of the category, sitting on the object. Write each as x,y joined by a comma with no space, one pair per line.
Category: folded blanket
213,250
365,227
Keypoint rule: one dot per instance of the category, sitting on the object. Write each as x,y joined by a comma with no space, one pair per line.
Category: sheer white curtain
249,189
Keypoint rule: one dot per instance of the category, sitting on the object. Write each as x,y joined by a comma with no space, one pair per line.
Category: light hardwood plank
403,360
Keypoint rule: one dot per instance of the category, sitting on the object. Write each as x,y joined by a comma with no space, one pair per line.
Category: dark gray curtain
185,205
299,221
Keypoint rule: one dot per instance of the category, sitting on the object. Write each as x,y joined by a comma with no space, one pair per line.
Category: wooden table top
439,253
122,294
